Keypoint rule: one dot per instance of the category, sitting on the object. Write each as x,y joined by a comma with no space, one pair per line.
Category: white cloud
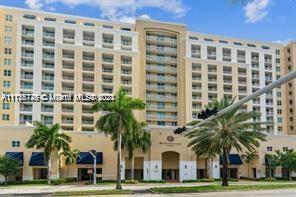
256,10
146,16
34,4
117,10
285,41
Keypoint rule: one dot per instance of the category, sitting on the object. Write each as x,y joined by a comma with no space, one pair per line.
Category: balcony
160,97
48,34
161,59
195,53
161,49
29,55
160,78
107,60
211,55
68,56
161,68
28,42
28,33
161,39
27,76
47,109
49,56
160,117
48,78
161,88
160,107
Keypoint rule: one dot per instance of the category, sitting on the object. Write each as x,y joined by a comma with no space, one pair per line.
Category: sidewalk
45,189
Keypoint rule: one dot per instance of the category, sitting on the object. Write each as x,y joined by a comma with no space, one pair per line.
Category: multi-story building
176,72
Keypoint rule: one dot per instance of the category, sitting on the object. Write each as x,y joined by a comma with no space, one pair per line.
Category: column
214,168
122,170
187,170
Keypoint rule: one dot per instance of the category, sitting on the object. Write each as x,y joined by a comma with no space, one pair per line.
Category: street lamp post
93,154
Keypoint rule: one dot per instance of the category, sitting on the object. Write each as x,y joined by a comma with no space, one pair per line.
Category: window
208,40
7,51
279,102
15,143
193,38
125,28
70,21
27,16
6,84
8,17
278,69
7,40
279,94
251,45
7,73
279,111
280,129
223,41
5,105
269,148
277,52
285,149
265,47
49,19
8,29
280,119
277,60
108,26
237,43
89,24
5,116
7,62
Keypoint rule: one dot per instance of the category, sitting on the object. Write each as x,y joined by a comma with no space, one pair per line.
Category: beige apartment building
175,71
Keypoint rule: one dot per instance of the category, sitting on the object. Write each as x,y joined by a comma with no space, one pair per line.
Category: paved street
138,188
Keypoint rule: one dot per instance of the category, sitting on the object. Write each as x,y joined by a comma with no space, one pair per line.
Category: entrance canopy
233,159
37,159
19,156
87,158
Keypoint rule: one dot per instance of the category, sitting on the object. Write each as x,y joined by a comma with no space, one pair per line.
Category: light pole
93,154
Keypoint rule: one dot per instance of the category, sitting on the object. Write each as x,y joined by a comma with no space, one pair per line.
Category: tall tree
271,162
70,158
118,120
233,130
249,157
288,161
8,167
136,138
50,139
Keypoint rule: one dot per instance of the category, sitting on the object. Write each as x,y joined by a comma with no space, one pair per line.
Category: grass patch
93,192
212,188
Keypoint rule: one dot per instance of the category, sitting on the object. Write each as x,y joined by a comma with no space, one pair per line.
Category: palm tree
70,157
234,129
136,138
249,157
117,120
50,140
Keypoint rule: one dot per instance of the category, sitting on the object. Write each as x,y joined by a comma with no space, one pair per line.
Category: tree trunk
290,175
5,179
270,176
133,168
49,169
118,185
225,169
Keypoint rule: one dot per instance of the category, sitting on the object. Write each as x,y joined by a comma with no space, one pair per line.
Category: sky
264,20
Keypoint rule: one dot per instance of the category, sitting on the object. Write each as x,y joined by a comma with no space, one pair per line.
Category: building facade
175,71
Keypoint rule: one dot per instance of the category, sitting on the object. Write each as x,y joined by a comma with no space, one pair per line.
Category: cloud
256,10
117,10
285,41
34,4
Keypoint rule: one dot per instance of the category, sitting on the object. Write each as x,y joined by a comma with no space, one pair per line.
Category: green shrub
64,180
269,179
153,181
207,180
131,181
28,182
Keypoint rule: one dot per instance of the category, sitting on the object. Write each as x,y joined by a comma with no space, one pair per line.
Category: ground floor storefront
167,159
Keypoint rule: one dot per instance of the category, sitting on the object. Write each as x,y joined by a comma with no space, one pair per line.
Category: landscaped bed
212,188
93,192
